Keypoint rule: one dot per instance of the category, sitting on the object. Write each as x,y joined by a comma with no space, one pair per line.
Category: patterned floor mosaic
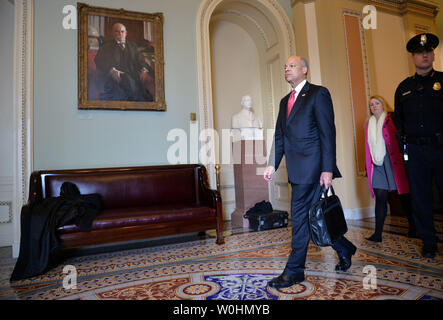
240,270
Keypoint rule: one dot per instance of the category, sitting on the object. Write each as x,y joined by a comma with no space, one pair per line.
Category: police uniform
419,118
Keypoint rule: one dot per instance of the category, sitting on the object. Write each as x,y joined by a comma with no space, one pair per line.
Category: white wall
66,137
235,73
390,68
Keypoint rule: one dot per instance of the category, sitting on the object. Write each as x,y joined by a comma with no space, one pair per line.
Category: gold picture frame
113,76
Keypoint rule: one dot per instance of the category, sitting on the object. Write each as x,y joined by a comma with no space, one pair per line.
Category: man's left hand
144,76
326,179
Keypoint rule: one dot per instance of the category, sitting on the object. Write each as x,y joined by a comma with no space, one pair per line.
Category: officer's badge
423,40
437,86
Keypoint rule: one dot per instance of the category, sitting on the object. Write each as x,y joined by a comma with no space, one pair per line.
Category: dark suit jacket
307,137
109,56
130,61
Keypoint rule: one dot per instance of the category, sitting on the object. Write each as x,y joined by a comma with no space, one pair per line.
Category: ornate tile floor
240,270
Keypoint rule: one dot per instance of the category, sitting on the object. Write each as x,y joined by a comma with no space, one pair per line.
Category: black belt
421,141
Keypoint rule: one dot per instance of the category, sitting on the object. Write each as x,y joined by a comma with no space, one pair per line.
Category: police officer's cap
422,42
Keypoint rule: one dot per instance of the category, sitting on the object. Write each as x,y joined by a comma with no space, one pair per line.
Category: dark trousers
406,205
129,88
381,210
425,164
303,197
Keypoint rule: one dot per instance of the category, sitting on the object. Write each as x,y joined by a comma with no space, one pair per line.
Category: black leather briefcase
267,220
326,219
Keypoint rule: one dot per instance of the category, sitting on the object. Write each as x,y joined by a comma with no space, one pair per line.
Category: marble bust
246,118
246,123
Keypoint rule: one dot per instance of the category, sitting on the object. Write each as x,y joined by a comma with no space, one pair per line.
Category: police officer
419,118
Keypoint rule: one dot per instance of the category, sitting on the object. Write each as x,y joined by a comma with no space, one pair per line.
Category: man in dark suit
122,69
305,134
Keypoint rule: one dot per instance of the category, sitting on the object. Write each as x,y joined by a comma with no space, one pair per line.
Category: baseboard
350,214
359,213
15,249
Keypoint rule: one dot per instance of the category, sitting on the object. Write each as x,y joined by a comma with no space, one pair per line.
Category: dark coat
396,158
39,242
109,56
130,61
419,105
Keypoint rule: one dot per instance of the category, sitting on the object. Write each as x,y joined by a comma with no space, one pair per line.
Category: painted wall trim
313,47
23,110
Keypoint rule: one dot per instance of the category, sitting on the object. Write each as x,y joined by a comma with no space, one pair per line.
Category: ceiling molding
425,7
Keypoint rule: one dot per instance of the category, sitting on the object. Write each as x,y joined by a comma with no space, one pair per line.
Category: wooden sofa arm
35,194
213,199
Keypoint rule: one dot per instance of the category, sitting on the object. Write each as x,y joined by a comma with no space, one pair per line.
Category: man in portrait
122,69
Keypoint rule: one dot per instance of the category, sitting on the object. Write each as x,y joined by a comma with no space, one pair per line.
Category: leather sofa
138,202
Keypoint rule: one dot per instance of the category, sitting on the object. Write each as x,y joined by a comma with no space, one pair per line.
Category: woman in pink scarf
384,165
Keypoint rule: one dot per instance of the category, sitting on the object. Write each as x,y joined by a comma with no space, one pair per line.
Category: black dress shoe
374,238
345,262
428,253
284,281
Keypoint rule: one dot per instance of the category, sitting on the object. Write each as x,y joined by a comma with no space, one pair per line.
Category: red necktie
291,102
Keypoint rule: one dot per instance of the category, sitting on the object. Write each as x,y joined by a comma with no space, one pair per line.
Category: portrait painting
120,59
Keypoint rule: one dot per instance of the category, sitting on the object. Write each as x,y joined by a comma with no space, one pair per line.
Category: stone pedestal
250,187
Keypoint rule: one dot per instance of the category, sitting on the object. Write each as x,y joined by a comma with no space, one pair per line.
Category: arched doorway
268,38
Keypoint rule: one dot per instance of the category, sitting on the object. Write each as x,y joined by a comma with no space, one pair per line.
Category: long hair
385,104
